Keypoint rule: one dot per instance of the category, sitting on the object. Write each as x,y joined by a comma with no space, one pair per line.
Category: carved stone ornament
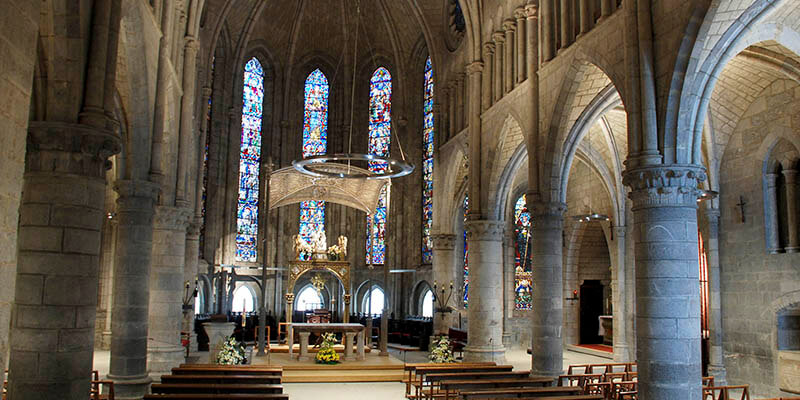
443,241
664,185
137,188
65,148
485,230
172,218
546,209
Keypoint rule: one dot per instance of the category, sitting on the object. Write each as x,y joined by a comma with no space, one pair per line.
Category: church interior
542,182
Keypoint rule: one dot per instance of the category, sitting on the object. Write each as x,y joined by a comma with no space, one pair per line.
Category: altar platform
284,349
374,368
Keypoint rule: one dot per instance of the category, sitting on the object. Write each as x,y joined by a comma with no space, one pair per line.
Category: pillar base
496,354
105,340
161,360
130,387
621,353
792,249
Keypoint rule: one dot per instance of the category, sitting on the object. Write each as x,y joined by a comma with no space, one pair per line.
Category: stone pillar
618,295
61,216
443,265
187,130
585,16
532,39
667,291
499,52
346,317
565,19
547,316
488,60
451,94
773,241
289,329
460,100
716,361
548,29
129,316
509,273
790,177
521,36
192,255
485,329
164,349
509,27
606,8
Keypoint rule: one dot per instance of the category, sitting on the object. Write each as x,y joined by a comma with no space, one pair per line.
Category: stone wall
753,280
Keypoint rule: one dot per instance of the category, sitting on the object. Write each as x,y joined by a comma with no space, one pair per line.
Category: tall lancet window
427,165
523,286
380,138
466,253
249,162
315,142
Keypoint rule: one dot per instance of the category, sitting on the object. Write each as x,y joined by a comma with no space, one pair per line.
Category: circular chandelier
591,217
339,165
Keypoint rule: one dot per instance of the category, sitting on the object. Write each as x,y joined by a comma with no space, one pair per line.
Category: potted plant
440,352
326,353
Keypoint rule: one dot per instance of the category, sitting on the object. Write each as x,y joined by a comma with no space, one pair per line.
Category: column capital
790,175
443,241
193,228
475,67
137,188
172,218
532,11
499,37
619,232
207,91
486,230
664,185
488,48
509,25
191,42
520,13
58,147
546,209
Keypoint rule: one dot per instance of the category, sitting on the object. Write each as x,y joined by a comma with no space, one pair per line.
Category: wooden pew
521,393
411,368
422,372
274,396
620,390
210,379
572,397
210,369
580,380
433,379
214,388
454,386
724,392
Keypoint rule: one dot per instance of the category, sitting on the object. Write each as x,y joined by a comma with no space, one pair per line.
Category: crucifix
741,205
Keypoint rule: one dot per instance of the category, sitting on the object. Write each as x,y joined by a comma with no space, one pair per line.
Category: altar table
350,331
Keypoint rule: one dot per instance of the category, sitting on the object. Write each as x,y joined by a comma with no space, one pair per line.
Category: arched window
243,300
309,299
466,253
373,302
380,138
249,162
315,141
427,165
523,283
427,304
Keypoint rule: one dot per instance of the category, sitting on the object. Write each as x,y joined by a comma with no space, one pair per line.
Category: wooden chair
708,381
548,392
101,390
724,392
580,380
624,388
599,388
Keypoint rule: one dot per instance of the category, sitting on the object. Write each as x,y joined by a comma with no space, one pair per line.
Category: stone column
667,291
451,94
129,316
485,330
716,362
488,61
192,255
164,349
346,317
547,316
548,29
585,16
773,241
509,273
606,8
618,294
790,177
187,130
521,36
460,100
443,265
61,216
532,39
499,52
566,24
289,312
509,27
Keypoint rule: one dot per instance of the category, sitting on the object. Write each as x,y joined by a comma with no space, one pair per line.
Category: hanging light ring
338,166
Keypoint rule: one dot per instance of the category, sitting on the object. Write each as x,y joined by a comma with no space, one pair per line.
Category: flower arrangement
335,253
440,352
326,353
231,353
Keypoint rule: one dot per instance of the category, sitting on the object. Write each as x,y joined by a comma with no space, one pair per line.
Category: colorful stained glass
315,141
209,110
466,254
523,283
249,162
380,138
427,165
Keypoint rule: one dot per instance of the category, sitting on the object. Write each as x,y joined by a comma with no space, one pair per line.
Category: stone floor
377,391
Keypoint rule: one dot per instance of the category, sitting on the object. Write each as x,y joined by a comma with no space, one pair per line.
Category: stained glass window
209,110
249,162
315,141
466,253
380,137
523,283
427,165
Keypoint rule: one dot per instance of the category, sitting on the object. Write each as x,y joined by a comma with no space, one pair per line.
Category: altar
349,332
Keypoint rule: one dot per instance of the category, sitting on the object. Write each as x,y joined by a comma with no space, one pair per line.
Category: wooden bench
203,369
411,368
579,380
521,393
724,392
571,397
454,386
421,372
207,379
198,396
215,388
584,369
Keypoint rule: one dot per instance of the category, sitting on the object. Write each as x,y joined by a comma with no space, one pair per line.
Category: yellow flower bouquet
327,354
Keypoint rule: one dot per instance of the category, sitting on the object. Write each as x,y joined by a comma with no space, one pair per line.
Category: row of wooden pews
208,381
611,381
482,380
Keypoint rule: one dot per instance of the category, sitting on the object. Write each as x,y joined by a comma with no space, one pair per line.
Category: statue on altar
319,241
301,247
